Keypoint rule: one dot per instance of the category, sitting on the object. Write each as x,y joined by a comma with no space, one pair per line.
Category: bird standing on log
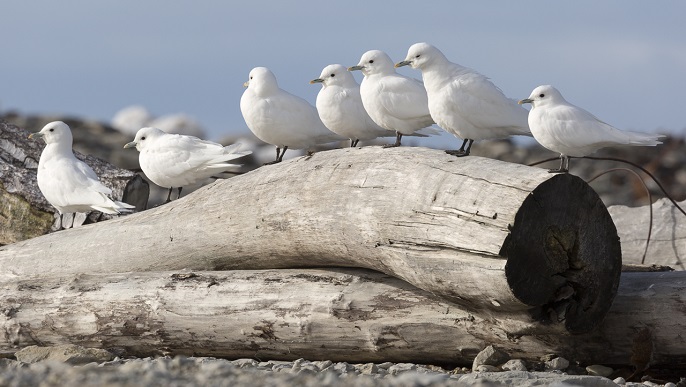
464,102
340,108
395,102
339,104
572,131
68,183
176,160
281,118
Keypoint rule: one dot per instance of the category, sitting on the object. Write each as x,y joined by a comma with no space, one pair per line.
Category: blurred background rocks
106,140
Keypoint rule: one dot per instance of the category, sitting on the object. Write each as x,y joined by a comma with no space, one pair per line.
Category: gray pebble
514,365
243,363
342,367
368,369
491,356
401,367
323,364
599,370
385,365
558,363
486,368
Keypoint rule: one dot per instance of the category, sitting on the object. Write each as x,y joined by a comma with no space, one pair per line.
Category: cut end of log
563,254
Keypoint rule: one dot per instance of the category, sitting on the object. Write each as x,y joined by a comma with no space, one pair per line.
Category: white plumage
572,131
394,101
176,160
464,102
68,183
340,108
280,118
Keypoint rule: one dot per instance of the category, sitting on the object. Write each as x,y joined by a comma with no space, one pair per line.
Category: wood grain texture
352,315
446,225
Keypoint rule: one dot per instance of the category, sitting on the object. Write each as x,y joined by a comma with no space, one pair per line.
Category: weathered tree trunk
349,315
668,240
24,212
494,237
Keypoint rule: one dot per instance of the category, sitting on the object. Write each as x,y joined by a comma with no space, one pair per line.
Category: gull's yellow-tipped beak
36,135
353,68
403,63
318,80
525,100
131,144
246,83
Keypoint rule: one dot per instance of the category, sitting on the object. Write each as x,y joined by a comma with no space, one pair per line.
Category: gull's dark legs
564,165
279,156
398,137
179,194
462,152
169,195
353,143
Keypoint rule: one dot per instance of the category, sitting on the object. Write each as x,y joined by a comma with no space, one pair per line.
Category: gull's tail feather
124,207
113,207
232,152
647,139
426,132
222,166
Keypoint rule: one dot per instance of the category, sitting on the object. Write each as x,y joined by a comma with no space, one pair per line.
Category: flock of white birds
459,100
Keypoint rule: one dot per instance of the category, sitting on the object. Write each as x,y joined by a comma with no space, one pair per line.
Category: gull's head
374,62
145,137
420,55
543,95
335,74
261,80
56,132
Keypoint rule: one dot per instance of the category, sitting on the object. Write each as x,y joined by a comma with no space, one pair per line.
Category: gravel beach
205,371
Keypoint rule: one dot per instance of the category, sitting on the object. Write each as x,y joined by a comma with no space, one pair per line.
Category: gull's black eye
417,56
52,130
541,95
250,77
333,75
371,61
142,138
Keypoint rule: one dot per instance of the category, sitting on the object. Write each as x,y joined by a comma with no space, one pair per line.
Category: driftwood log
494,237
351,315
24,212
668,240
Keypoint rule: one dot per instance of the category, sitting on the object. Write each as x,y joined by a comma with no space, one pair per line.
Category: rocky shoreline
73,365
204,371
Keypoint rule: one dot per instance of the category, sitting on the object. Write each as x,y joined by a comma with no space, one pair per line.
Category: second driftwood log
351,315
